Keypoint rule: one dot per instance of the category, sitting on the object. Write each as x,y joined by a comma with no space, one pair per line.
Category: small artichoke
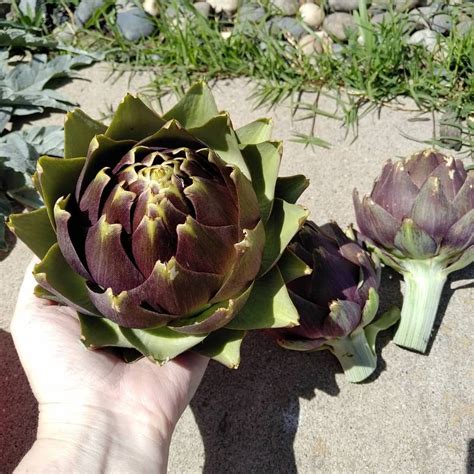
420,219
164,232
337,302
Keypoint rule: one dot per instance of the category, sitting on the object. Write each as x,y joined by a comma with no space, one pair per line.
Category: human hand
96,413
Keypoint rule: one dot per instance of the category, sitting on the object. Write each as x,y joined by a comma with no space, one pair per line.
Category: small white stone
151,7
307,44
226,34
312,14
226,6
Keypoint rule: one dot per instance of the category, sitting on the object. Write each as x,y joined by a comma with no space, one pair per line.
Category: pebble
307,44
339,24
465,27
287,7
226,6
251,12
426,38
315,43
134,24
287,24
343,5
400,5
380,18
151,7
441,23
203,8
312,15
86,9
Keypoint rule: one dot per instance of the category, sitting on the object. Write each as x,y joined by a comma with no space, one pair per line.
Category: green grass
364,77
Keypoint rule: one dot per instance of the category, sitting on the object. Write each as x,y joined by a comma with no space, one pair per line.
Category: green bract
164,232
420,218
337,299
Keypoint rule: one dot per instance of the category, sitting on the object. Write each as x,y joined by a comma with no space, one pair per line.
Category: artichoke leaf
263,162
284,222
388,319
371,307
133,120
414,241
290,188
79,130
58,178
160,344
213,318
269,305
223,346
103,152
255,132
44,294
303,345
292,267
463,261
195,108
249,254
55,275
101,332
218,135
35,229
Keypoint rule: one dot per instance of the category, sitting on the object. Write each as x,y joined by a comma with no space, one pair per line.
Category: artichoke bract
164,232
420,219
337,300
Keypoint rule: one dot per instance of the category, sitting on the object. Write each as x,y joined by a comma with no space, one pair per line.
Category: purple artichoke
420,219
164,232
338,301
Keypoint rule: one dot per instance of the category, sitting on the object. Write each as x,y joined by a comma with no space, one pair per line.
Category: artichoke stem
355,356
424,282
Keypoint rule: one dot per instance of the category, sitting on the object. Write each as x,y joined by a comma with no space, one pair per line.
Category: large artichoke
155,229
337,302
420,218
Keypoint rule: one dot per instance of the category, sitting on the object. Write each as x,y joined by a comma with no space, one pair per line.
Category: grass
362,77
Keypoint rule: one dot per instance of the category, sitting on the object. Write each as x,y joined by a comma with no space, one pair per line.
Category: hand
96,413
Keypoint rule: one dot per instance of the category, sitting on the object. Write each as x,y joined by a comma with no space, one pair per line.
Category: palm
60,369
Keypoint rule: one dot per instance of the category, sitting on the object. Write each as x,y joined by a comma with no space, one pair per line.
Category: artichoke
337,299
420,220
164,232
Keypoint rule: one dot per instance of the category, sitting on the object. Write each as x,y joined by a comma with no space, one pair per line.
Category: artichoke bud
338,301
153,228
419,218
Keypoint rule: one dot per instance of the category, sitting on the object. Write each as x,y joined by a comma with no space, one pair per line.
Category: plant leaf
58,178
284,222
269,305
133,120
160,344
195,108
388,319
79,130
255,132
55,275
35,230
290,188
222,346
263,162
218,134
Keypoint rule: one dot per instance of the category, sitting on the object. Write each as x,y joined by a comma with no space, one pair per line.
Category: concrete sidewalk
285,412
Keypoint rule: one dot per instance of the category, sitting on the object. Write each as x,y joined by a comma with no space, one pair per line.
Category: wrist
92,438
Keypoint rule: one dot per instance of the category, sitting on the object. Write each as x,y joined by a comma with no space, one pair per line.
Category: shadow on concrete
450,287
248,418
18,408
470,457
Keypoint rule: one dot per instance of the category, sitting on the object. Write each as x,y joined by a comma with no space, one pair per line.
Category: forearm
96,441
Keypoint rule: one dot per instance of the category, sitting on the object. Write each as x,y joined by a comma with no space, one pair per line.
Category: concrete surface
285,412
